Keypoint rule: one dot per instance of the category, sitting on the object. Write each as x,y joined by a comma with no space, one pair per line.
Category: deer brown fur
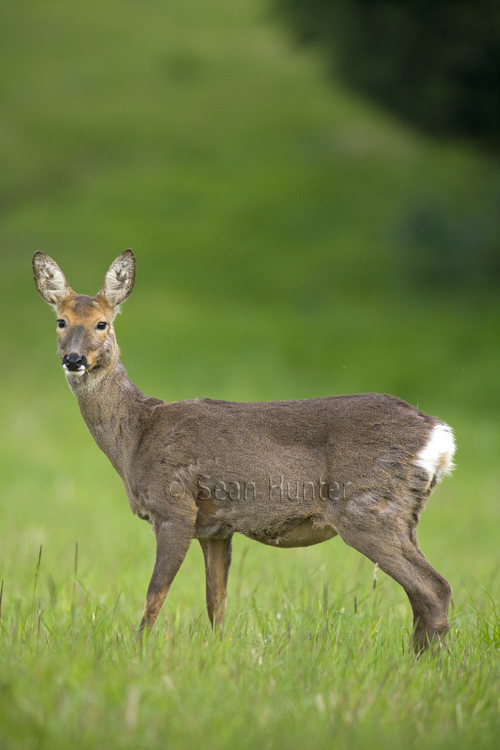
286,473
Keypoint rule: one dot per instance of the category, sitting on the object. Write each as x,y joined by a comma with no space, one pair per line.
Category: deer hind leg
172,543
387,543
217,554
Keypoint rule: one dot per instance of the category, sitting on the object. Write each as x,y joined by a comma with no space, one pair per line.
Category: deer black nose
75,361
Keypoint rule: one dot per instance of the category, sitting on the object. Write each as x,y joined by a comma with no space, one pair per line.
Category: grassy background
265,209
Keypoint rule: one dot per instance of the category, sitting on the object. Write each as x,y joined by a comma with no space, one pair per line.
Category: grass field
264,206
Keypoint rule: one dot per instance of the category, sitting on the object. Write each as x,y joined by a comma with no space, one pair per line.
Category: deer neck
114,410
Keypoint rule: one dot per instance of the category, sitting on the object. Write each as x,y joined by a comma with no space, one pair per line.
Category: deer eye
101,325
61,324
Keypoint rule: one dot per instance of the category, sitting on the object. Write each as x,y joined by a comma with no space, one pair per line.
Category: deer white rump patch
436,457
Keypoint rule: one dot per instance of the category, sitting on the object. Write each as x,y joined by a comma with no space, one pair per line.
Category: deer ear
50,280
119,280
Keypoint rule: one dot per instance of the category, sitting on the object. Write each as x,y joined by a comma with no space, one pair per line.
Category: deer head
86,340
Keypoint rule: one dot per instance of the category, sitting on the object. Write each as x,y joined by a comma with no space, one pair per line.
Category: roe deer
285,473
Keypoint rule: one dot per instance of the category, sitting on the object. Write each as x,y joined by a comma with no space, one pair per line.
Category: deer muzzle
75,364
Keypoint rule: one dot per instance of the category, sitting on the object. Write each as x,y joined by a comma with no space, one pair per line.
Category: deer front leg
217,554
172,543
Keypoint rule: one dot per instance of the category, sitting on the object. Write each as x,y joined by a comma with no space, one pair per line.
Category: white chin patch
78,373
436,457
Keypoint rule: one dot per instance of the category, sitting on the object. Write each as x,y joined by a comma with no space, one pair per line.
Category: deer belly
302,533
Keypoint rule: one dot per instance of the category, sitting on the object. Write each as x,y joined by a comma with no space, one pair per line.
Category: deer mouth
81,370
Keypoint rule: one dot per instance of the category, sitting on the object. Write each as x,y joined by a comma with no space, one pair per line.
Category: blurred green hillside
266,208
